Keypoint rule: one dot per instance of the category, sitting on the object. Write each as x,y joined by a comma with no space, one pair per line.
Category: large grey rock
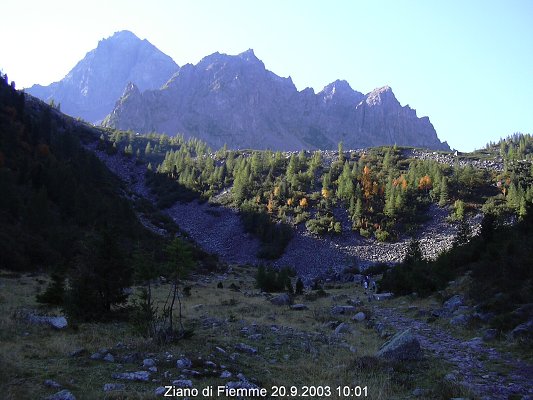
281,300
402,346
235,100
141,376
54,322
92,87
62,395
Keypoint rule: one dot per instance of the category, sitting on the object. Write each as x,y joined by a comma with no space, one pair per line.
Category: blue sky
468,65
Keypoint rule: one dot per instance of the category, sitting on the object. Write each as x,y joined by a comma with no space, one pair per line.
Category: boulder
281,300
402,346
54,322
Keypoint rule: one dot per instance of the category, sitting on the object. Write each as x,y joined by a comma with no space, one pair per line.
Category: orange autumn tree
366,182
425,183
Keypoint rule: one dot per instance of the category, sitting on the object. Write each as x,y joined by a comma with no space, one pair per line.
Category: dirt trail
472,359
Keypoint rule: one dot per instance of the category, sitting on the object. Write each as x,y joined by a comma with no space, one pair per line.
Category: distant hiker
365,284
373,286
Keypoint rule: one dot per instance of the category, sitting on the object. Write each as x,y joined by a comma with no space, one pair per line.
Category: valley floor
240,336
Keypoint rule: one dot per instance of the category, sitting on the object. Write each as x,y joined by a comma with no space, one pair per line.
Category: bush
381,235
55,291
364,233
270,280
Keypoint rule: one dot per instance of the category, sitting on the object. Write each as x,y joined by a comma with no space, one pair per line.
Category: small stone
183,363
244,348
335,310
152,369
160,391
255,337
299,307
148,362
281,300
96,356
359,317
190,372
52,384
382,296
62,395
225,374
220,350
489,335
78,352
109,387
109,357
342,328
182,383
210,364
141,376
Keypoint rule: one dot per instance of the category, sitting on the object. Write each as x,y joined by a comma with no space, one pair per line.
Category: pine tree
443,198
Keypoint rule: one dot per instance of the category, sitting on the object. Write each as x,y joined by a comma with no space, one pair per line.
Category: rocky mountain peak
340,90
381,96
92,87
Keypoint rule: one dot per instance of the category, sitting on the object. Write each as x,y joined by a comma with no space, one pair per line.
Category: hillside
92,87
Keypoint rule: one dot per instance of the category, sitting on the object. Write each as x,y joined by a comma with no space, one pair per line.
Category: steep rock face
92,87
234,100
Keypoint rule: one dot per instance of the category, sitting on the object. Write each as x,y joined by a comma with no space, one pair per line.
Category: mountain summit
92,87
235,100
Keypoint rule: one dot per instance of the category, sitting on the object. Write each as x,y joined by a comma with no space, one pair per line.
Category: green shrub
381,235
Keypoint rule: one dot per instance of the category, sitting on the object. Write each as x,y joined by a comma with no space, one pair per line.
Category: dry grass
295,348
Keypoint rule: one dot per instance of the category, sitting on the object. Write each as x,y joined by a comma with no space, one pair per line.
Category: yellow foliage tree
424,183
303,202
